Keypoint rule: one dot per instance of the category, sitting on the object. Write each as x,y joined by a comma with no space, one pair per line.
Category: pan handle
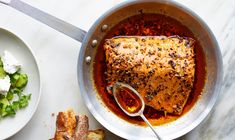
55,23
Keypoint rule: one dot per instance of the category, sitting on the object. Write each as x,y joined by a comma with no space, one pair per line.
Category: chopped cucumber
14,78
19,80
22,81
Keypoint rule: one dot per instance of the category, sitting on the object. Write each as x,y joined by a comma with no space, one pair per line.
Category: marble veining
221,122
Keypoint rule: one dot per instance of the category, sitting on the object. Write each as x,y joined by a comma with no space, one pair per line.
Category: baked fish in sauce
160,68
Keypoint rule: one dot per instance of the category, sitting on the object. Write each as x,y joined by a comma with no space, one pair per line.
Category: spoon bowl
119,86
130,101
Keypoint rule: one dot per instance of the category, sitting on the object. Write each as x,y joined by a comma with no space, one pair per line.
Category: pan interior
210,49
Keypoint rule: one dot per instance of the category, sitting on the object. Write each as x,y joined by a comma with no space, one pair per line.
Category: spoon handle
149,124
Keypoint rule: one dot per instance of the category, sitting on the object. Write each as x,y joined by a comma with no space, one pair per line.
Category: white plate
10,42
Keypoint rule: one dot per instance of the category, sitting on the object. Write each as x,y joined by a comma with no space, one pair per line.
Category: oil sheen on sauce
148,25
128,100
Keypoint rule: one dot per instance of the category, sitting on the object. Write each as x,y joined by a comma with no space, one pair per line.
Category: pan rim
218,77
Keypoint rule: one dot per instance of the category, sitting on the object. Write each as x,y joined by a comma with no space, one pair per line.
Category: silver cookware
91,39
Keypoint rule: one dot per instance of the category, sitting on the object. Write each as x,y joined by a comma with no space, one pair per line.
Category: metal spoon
139,112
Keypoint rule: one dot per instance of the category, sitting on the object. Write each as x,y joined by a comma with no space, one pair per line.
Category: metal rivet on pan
104,27
94,43
88,60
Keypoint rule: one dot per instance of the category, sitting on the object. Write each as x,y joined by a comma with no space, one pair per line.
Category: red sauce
144,25
128,100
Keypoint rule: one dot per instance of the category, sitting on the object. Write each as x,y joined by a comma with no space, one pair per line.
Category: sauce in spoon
129,100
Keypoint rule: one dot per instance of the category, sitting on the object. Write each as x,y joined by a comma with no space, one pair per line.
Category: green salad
13,97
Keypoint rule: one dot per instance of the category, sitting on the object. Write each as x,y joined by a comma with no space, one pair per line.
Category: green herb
10,111
16,105
8,107
16,91
15,99
23,102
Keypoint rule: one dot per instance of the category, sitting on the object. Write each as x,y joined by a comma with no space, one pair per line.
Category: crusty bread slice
65,125
72,127
82,127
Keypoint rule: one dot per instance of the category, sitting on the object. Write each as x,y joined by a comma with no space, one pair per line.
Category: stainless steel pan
91,40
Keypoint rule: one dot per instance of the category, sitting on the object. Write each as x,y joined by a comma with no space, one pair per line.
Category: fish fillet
160,68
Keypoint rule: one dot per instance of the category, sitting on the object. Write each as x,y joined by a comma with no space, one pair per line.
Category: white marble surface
57,56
